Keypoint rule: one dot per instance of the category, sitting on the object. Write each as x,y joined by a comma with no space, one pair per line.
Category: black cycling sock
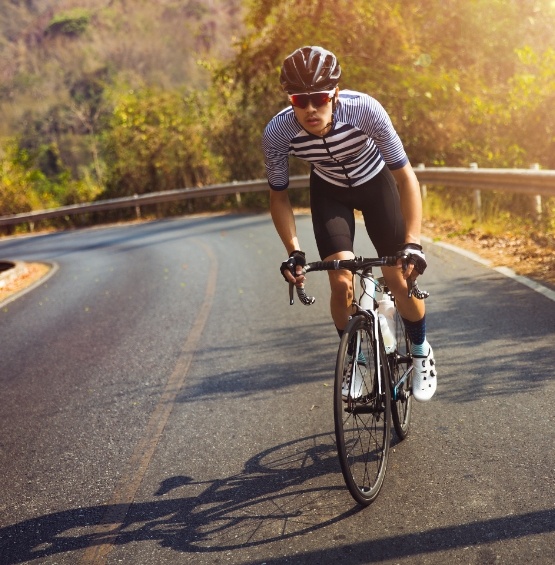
416,330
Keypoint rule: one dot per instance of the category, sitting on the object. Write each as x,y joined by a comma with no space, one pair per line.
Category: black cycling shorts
333,216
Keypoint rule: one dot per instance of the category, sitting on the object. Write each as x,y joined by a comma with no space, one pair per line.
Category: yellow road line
107,531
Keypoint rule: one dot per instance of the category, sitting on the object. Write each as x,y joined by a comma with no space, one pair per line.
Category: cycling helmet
310,69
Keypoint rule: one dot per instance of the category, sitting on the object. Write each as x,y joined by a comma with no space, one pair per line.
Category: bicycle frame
367,306
401,381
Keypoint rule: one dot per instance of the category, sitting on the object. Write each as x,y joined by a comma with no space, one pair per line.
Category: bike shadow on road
283,492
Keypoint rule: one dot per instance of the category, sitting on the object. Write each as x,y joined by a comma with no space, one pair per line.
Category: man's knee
342,286
394,280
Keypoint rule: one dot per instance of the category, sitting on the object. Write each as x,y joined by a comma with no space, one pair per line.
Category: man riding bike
357,163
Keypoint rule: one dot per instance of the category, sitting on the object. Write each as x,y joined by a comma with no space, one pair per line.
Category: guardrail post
137,208
237,195
423,187
537,199
477,198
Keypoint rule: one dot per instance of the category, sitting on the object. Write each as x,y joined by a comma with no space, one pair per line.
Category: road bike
373,379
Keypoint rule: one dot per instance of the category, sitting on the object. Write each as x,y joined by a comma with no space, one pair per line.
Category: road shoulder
23,278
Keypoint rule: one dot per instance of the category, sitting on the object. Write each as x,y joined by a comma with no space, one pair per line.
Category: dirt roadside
528,256
30,274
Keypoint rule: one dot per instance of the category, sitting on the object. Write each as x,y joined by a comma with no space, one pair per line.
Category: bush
71,23
156,141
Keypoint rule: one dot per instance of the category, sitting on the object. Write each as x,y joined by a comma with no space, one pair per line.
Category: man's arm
411,208
411,202
284,220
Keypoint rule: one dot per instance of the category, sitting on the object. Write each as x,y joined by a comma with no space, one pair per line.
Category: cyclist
357,162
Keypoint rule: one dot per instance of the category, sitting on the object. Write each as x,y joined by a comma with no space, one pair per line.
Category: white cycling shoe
424,376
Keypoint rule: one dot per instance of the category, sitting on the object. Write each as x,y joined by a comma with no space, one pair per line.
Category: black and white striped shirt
361,141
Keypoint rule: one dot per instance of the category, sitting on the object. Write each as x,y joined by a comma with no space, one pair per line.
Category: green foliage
24,186
60,85
16,180
156,141
444,70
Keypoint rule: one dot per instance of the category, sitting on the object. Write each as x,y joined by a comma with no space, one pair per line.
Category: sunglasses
317,99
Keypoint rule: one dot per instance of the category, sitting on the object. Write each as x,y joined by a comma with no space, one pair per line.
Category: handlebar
354,265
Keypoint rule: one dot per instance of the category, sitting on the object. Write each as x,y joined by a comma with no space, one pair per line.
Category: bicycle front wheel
362,411
400,365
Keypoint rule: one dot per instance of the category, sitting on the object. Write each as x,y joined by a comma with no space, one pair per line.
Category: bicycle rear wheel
400,369
362,411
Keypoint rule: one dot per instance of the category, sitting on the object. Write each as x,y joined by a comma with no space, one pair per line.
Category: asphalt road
162,403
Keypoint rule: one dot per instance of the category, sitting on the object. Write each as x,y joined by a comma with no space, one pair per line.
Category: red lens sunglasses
317,99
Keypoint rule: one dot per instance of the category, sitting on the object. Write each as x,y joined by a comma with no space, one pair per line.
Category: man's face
316,116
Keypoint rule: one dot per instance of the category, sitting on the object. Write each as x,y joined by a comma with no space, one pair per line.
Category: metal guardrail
528,181
525,181
145,199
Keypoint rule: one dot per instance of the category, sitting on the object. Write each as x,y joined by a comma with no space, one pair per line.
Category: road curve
162,403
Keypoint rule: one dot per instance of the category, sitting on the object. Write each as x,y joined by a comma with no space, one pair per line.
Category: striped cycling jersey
361,141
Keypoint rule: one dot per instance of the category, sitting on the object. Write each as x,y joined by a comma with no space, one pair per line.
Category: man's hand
292,268
413,260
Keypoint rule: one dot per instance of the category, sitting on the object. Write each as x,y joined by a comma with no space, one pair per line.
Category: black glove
295,258
412,254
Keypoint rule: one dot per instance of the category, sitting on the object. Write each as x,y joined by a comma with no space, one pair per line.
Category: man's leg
342,291
410,309
413,312
334,229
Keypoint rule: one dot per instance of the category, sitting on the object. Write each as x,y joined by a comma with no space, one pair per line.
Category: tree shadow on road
488,343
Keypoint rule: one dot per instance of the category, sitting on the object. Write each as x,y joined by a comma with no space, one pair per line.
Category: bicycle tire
400,364
363,425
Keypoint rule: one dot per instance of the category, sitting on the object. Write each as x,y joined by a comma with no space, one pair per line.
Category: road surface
162,403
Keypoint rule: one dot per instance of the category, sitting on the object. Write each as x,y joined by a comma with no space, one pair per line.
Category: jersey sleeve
275,145
379,127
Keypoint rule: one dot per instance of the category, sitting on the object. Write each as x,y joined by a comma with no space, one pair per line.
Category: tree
14,186
443,69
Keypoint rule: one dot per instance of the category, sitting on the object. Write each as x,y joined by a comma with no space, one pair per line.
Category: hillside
49,49
109,98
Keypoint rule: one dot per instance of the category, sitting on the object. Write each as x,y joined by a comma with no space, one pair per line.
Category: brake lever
303,296
415,291
413,288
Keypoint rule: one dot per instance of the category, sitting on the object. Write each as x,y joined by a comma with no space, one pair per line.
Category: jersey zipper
328,150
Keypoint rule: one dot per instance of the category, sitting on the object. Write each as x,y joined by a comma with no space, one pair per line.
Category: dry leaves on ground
33,273
531,256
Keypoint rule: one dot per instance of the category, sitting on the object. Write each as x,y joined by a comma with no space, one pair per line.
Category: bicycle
372,387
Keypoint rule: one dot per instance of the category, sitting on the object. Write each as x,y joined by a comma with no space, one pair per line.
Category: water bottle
386,317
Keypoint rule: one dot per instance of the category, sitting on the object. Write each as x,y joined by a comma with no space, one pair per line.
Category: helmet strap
333,107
